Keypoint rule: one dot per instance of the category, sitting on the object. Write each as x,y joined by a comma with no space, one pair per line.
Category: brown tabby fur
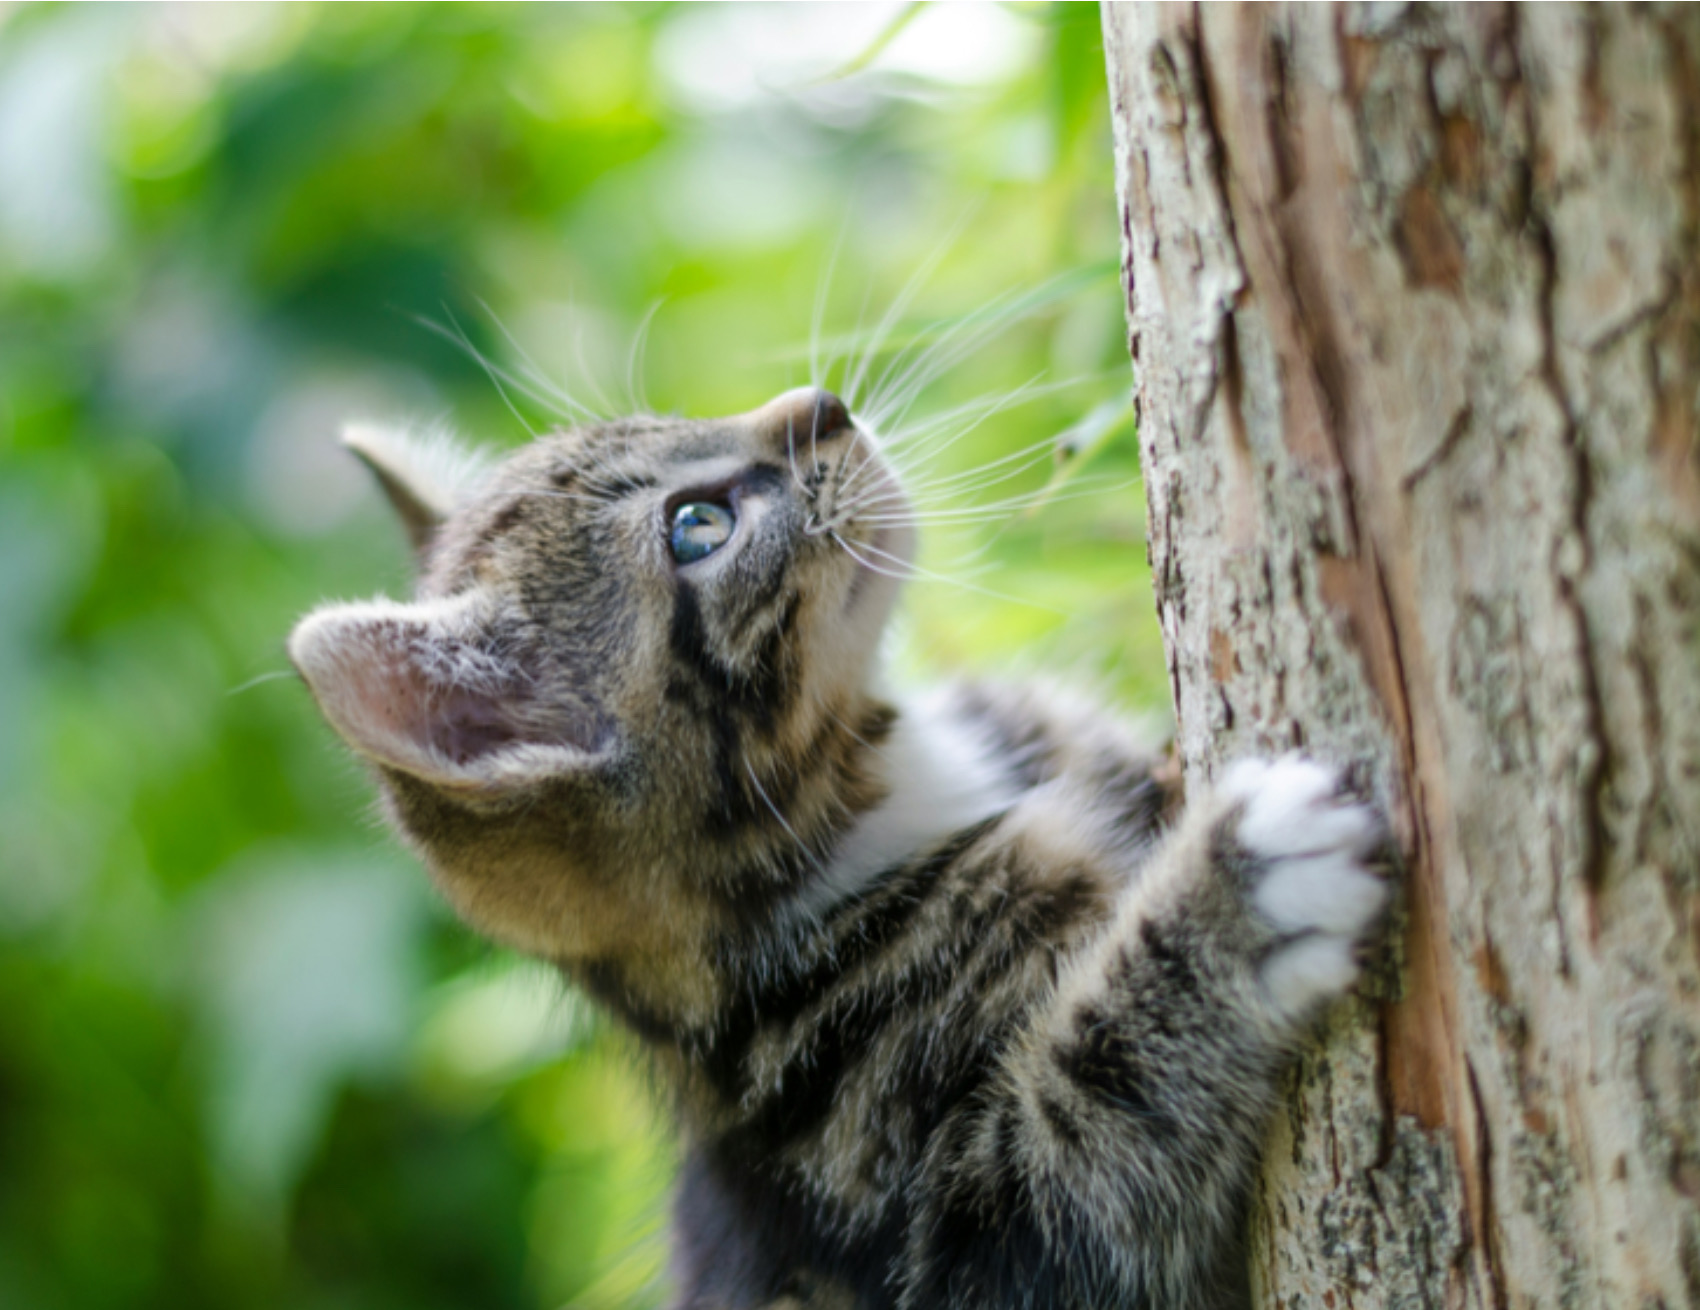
1020,1053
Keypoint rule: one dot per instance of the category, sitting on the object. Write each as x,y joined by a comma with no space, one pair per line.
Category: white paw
1309,972
1311,842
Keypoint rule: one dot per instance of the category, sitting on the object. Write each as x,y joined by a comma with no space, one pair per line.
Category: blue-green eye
700,528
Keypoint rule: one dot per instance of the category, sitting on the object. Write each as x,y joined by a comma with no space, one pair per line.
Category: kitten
954,1016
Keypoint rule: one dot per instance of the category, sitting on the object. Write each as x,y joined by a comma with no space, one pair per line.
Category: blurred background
245,1059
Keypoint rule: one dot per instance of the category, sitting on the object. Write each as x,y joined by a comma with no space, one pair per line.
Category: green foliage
245,1059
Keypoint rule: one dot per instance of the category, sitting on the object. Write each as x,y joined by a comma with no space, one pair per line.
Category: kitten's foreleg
1108,1164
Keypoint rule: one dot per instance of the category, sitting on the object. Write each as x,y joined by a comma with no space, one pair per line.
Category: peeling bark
1414,308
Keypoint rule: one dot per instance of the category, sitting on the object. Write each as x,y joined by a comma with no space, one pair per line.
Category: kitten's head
633,682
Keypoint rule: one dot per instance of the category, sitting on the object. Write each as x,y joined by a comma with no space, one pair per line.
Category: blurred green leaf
305,975
245,1062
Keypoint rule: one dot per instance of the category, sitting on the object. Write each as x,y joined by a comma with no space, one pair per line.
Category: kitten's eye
700,528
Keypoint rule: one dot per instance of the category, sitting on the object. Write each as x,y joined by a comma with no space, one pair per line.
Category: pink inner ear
464,725
415,698
406,686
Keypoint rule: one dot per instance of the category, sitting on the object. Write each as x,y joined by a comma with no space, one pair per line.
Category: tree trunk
1414,305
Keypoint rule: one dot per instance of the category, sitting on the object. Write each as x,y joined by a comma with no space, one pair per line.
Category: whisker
585,372
774,810
908,574
556,396
817,317
954,490
998,510
791,454
490,370
1031,390
916,368
636,393
981,410
902,383
900,388
538,390
895,311
1028,390
954,497
916,572
921,492
253,682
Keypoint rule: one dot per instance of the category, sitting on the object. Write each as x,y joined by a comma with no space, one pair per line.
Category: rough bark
1414,305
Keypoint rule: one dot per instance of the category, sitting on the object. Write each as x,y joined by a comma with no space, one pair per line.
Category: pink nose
804,414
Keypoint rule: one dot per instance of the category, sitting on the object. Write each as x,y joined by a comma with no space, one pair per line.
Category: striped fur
954,1015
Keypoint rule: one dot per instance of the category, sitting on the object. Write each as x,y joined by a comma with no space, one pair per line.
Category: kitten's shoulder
1043,731
1046,768
1086,788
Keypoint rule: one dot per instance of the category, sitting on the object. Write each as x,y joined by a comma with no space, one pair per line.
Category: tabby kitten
953,1016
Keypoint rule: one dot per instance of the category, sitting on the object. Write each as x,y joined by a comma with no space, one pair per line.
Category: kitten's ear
424,474
424,688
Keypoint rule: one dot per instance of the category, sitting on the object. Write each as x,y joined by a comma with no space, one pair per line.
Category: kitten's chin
883,560
882,564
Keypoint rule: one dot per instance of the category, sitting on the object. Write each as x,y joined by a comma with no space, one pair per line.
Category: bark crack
1218,150
1485,1227
1591,762
1652,727
1441,453
1651,312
